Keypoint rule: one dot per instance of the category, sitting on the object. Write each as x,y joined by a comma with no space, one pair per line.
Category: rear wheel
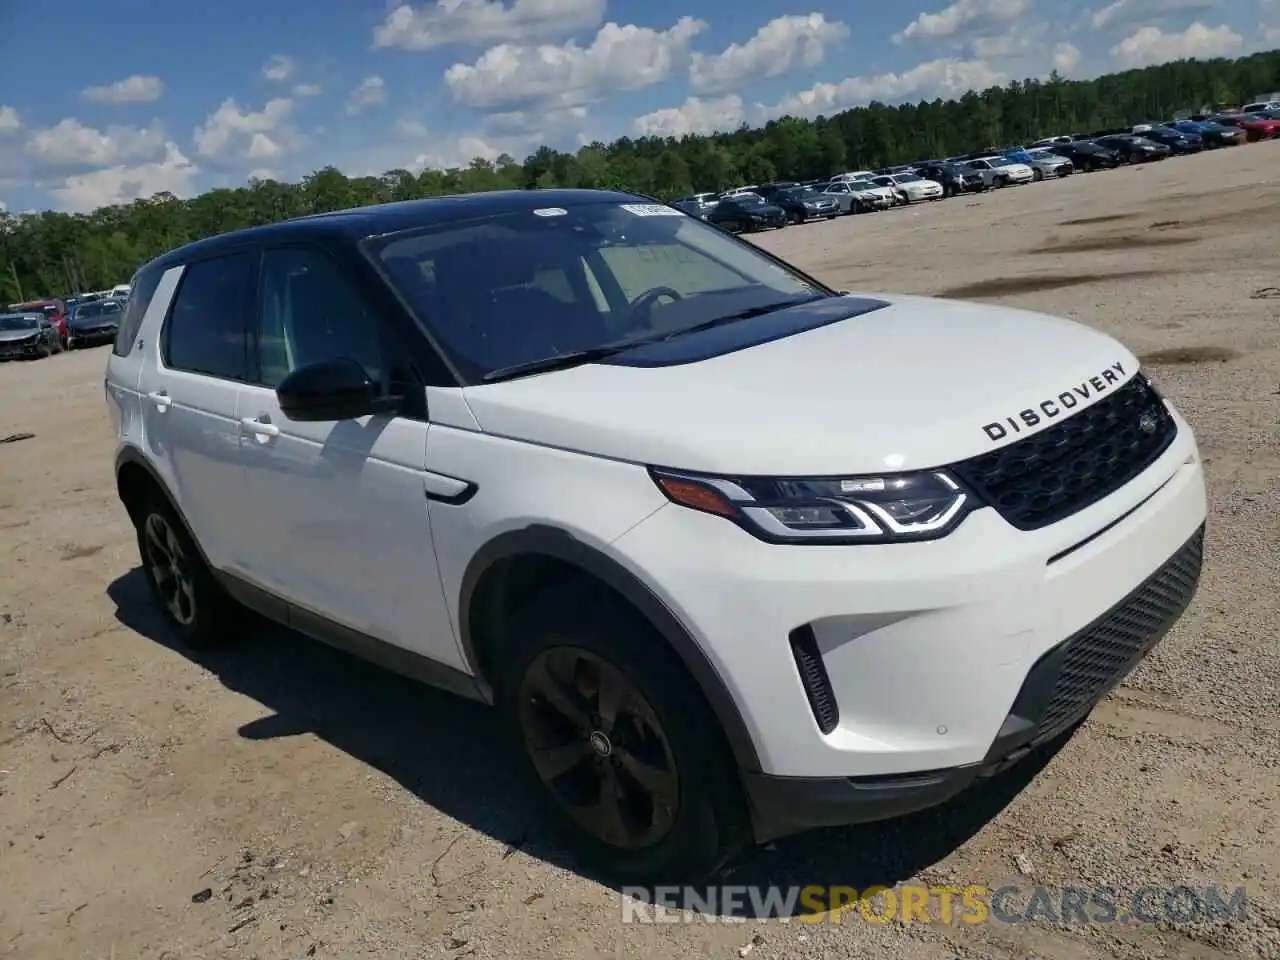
617,743
182,585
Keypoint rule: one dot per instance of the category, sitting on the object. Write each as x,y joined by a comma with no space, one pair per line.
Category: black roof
358,223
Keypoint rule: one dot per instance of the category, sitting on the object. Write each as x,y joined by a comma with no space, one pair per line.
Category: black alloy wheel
599,748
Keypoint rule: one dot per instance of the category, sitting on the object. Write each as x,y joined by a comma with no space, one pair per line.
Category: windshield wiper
576,358
746,314
562,361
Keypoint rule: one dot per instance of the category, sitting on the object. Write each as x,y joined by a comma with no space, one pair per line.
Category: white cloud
304,90
122,183
619,58
230,133
961,14
70,144
279,68
463,151
780,46
371,92
410,129
696,115
1270,35
10,121
926,81
484,21
1066,57
1149,45
1125,12
134,89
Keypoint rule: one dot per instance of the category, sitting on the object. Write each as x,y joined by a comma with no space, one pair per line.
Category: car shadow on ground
448,752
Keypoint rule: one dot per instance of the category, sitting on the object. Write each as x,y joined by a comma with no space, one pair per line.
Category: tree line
47,254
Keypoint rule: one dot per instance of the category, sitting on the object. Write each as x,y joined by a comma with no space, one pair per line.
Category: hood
10,335
1015,165
916,383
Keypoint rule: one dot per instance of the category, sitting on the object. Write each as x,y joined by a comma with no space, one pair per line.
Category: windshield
18,323
863,185
98,309
529,285
799,193
906,178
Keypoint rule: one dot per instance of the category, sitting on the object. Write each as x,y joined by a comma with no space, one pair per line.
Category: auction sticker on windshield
651,210
550,212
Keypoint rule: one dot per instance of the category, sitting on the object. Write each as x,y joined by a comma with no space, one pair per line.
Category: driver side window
308,312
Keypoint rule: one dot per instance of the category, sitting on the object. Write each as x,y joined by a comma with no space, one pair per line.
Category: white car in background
855,194
911,187
1000,172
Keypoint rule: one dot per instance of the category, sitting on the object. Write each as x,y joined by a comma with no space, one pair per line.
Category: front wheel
1037,175
616,742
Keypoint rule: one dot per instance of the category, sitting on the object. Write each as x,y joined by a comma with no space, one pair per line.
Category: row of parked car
772,205
41,328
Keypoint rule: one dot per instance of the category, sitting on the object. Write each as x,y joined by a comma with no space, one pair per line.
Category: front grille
1047,476
1100,656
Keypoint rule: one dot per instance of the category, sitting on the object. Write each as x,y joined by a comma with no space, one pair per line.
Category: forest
52,254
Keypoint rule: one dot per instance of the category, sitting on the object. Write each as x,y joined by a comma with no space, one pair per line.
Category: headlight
893,508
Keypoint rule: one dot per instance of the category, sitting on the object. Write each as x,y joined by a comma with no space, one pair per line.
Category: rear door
188,386
153,291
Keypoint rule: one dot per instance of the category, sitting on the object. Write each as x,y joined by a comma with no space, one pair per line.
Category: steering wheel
644,303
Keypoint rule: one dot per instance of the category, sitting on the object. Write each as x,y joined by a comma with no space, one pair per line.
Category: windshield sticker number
651,210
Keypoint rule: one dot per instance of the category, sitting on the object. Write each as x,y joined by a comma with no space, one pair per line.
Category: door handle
161,399
259,428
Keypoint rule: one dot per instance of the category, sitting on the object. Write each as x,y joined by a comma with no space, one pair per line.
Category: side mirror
337,389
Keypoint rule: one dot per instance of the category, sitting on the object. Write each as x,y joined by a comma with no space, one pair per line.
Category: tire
182,585
1037,175
571,644
1001,182
797,219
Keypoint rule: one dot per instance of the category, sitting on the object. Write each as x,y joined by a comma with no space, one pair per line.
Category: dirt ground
278,800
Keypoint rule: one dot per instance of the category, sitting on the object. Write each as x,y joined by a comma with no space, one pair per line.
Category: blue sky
102,103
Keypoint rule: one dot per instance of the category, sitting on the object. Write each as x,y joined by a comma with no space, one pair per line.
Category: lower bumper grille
1099,657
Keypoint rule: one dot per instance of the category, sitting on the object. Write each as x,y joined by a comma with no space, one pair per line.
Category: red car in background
1256,126
54,310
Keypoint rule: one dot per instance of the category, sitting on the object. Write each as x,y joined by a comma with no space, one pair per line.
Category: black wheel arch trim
557,544
134,457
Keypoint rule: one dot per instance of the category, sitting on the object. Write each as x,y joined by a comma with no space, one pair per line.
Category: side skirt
379,652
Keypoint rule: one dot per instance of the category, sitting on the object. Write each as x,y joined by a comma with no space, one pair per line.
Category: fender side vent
813,676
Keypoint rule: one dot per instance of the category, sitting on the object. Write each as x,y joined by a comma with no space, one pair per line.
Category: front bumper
925,646
1060,690
17,349
96,335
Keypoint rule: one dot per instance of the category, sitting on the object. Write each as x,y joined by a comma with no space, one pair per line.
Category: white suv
733,553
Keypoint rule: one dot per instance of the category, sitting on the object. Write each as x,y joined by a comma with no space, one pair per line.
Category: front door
339,508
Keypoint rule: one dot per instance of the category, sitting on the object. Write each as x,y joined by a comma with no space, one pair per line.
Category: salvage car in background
912,188
1043,163
1086,156
746,212
94,323
26,336
1000,171
953,178
804,203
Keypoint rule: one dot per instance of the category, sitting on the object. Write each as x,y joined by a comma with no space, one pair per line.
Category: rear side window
205,332
145,283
